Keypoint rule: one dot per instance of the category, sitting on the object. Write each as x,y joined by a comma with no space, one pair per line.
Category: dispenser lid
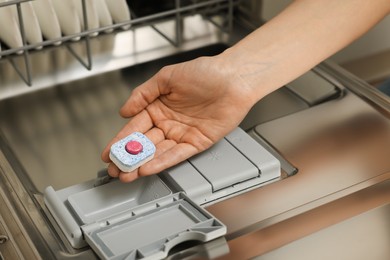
152,230
142,219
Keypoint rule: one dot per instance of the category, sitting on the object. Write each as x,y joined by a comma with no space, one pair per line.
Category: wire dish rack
143,13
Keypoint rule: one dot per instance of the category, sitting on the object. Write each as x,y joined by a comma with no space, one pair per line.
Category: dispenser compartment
234,165
142,219
147,217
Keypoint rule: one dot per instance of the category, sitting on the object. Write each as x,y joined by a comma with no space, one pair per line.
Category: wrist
251,70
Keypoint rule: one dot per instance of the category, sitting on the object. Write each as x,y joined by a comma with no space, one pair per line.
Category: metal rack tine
26,78
177,41
230,16
166,37
174,42
88,63
178,24
229,27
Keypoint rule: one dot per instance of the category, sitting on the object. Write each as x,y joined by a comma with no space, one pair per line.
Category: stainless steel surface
54,135
51,131
338,146
344,149
335,242
355,226
15,241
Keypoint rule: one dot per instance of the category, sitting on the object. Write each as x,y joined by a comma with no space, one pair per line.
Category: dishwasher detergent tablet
132,151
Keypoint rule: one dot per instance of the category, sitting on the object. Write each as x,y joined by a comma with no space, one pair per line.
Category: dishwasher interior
329,131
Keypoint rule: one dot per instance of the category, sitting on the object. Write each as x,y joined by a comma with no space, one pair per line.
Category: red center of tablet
134,147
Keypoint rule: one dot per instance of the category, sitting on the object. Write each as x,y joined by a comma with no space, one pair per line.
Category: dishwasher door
54,136
329,130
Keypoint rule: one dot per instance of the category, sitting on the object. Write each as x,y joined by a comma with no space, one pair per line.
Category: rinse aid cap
132,151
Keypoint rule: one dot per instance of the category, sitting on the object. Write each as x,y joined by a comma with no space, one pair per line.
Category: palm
182,112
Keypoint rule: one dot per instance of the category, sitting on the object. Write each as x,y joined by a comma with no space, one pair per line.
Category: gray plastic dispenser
234,165
146,218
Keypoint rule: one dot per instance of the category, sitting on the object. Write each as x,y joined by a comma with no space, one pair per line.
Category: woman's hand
187,107
183,109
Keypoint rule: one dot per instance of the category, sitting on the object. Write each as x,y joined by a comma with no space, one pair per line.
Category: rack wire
179,10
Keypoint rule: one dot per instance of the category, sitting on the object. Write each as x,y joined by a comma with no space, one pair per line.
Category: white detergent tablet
132,151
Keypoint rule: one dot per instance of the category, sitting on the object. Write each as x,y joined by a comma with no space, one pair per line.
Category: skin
187,107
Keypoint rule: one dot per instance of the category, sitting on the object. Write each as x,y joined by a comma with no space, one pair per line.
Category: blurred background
368,57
